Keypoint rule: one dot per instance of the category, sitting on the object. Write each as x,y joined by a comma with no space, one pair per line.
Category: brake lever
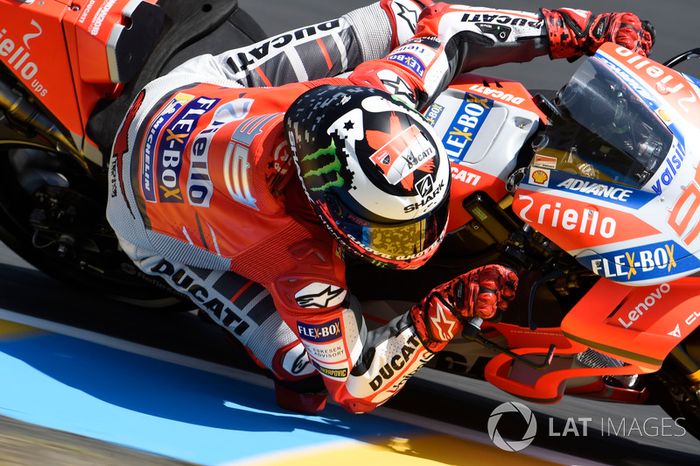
472,332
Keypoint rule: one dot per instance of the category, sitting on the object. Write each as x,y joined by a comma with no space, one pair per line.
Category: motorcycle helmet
373,171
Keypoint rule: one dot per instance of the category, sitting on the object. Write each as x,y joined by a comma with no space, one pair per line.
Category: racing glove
443,313
573,33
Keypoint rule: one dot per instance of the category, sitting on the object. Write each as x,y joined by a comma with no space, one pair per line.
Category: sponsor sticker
190,284
465,176
642,263
600,190
466,124
320,333
402,155
19,56
668,171
200,188
540,176
691,322
645,306
545,161
497,94
327,353
425,186
425,51
261,50
409,61
574,224
432,115
668,84
149,146
171,147
513,20
401,365
333,372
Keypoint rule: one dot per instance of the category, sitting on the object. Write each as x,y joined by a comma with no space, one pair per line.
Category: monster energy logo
331,167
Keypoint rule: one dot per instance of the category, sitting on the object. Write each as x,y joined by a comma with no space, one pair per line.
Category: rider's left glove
573,33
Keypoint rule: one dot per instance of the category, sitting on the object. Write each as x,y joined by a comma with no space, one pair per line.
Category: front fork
688,365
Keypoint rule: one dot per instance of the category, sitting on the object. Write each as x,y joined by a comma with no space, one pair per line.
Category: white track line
262,381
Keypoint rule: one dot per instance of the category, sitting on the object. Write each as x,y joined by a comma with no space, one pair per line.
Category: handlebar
472,328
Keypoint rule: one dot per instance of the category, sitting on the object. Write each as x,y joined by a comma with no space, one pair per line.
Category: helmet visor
402,242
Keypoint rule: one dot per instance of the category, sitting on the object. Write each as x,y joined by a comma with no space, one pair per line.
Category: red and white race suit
203,194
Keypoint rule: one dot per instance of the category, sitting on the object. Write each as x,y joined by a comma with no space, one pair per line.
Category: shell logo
540,177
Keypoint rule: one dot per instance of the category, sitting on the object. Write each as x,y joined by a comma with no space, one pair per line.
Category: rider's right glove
443,313
573,33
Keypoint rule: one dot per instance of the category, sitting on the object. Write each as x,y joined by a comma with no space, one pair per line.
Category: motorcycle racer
229,173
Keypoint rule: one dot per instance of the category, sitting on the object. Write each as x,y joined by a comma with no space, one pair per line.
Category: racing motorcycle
591,193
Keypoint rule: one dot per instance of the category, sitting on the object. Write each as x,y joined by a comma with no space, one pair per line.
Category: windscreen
605,130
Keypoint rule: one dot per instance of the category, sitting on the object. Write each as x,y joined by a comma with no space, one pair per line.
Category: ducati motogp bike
591,193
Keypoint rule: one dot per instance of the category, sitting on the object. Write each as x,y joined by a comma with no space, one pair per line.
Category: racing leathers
203,194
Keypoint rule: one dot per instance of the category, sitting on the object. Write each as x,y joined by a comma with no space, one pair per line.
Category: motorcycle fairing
642,265
484,123
574,223
675,100
71,54
645,325
645,257
598,191
655,203
545,385
31,48
666,91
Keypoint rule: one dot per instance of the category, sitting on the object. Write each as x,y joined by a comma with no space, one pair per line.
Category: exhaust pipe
29,114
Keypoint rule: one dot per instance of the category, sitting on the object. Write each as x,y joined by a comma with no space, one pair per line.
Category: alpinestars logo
320,295
512,445
396,86
410,16
300,363
442,322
